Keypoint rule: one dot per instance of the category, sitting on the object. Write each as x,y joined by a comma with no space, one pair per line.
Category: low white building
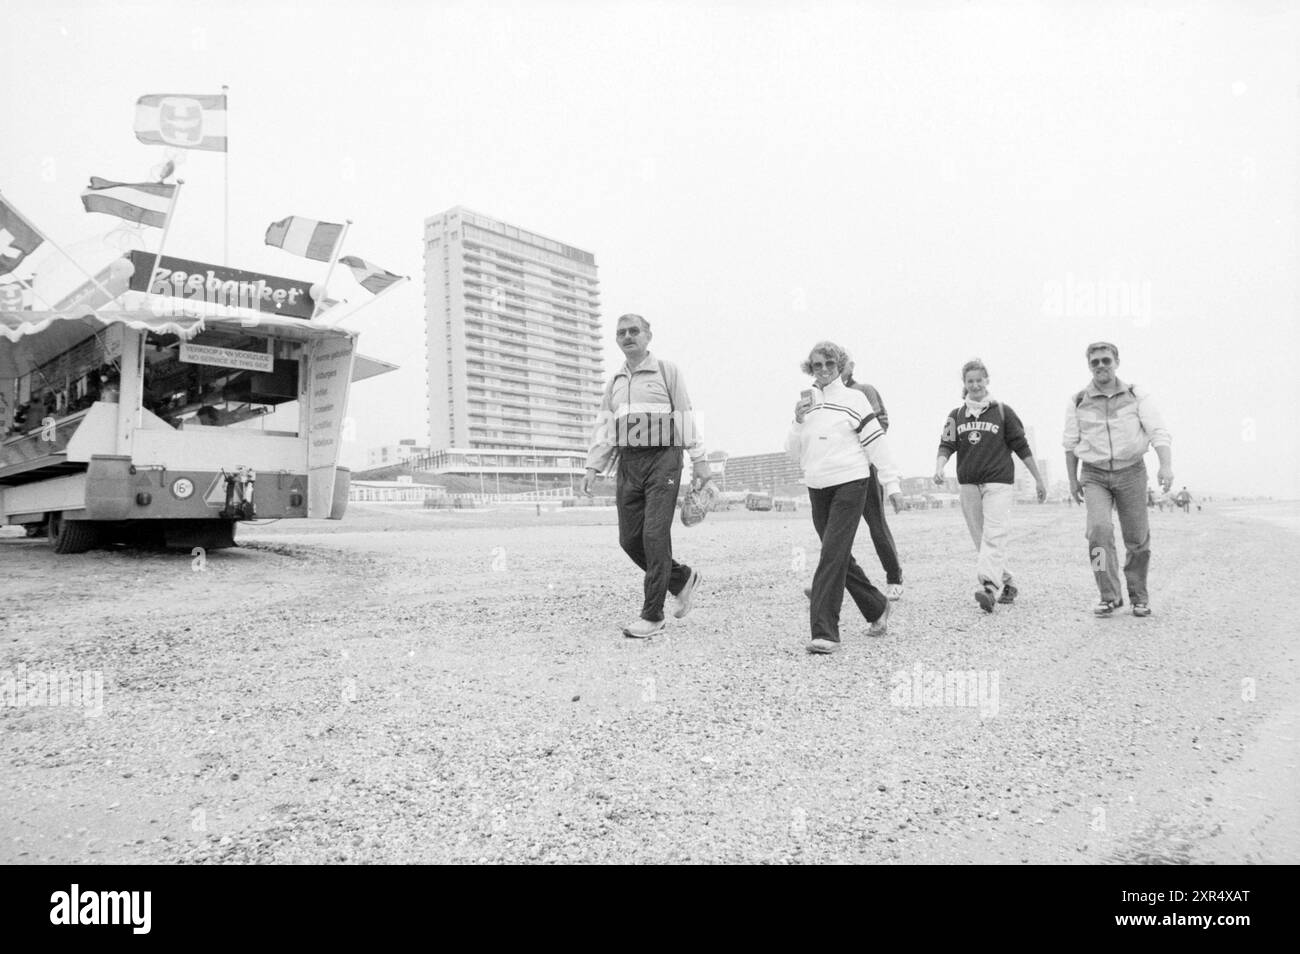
403,490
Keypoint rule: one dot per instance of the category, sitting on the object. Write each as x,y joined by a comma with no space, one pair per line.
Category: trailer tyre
71,536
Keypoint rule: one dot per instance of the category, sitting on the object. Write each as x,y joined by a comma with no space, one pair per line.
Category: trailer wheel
71,536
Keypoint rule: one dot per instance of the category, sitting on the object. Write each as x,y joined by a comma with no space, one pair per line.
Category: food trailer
156,419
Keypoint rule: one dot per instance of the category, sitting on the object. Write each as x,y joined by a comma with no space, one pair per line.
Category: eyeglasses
1096,362
828,366
628,332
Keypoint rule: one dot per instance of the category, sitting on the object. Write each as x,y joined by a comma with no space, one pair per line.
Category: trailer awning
30,338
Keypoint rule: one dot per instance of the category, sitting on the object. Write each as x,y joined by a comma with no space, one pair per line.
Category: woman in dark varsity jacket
984,433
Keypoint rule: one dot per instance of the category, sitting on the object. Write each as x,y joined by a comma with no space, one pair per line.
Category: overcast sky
920,182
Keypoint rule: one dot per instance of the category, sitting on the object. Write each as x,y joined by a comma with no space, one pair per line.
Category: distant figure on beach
1108,426
1184,500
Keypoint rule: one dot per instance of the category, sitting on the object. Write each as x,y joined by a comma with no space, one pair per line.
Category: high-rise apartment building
512,328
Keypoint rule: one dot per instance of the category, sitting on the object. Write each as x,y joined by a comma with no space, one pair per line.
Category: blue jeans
1125,491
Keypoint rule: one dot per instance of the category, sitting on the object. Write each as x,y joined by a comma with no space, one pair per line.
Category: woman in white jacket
836,438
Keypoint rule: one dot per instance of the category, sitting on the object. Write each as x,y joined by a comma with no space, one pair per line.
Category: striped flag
143,202
371,276
305,237
187,122
18,238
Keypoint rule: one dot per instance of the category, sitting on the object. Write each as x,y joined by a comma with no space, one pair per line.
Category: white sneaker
687,596
881,626
894,591
644,629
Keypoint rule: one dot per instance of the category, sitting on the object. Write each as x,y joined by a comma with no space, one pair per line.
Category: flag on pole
371,277
18,238
305,237
183,121
142,202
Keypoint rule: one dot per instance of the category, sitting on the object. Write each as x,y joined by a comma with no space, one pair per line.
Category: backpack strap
670,386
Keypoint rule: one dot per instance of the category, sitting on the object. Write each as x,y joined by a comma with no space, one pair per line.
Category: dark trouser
1124,491
881,538
835,513
646,495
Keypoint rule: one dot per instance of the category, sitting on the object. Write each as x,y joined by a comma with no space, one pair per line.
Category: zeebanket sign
216,284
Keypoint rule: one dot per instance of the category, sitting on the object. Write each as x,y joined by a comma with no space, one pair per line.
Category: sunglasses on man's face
827,366
1098,362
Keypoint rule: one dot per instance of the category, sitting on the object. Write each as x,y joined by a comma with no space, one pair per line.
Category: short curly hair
828,349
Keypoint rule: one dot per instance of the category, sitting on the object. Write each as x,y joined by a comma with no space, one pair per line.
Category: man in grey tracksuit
645,420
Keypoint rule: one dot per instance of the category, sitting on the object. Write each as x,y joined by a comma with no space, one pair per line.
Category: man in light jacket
645,421
1109,426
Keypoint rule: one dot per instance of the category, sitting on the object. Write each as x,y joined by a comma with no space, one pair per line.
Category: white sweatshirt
834,446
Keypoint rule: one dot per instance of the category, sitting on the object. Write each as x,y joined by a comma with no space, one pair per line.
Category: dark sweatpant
646,495
881,538
835,513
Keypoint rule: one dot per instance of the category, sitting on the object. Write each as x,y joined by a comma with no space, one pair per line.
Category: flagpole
325,286
58,248
167,227
366,304
225,254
